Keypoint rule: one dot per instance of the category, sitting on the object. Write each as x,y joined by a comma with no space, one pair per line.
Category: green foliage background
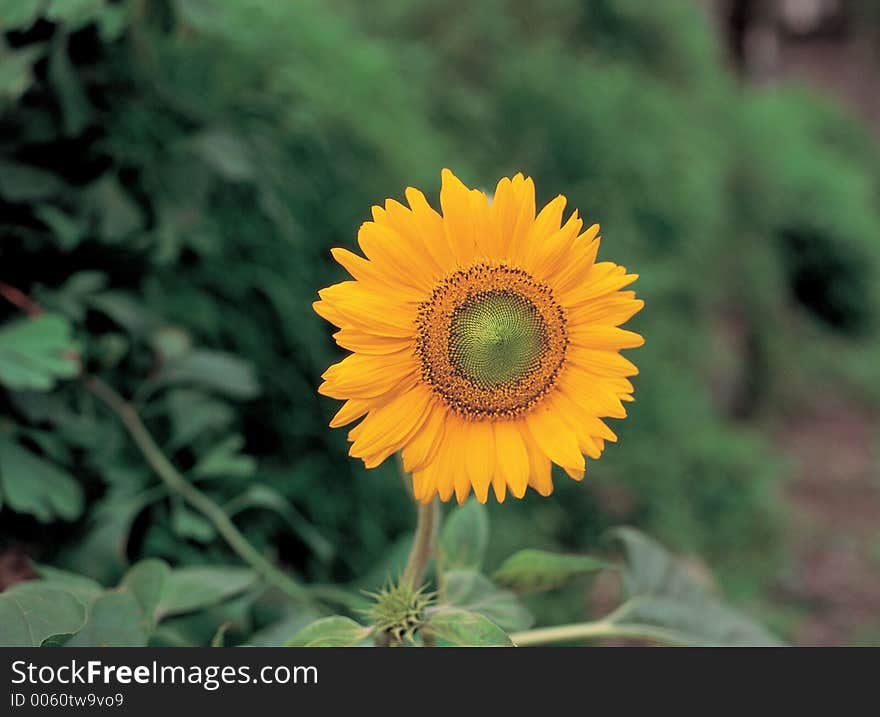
173,174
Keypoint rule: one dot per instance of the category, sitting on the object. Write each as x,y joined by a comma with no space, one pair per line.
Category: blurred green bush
174,172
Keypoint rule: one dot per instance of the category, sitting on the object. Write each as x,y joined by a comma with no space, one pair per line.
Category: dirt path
834,531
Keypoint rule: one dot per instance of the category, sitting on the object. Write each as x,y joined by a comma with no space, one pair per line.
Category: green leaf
35,353
16,77
33,612
34,486
193,414
67,230
662,592
191,525
19,14
277,633
146,582
76,112
336,631
474,592
539,570
266,498
115,620
117,214
225,153
169,342
112,22
100,552
71,298
193,588
74,13
225,460
82,587
464,537
123,309
466,629
218,371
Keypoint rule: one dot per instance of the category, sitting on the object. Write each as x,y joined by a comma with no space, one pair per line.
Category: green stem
172,478
423,544
593,631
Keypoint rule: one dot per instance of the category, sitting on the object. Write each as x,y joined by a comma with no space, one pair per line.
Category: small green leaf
193,588
76,112
32,612
67,230
540,570
336,631
218,371
464,537
115,620
193,414
474,592
16,77
191,525
35,486
117,214
146,582
226,460
123,309
35,353
225,153
466,629
112,22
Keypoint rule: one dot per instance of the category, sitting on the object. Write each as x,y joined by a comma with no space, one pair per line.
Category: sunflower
485,341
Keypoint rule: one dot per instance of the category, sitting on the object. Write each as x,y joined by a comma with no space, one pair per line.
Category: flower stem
423,544
595,630
172,478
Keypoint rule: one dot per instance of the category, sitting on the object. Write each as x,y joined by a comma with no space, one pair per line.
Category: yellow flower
485,341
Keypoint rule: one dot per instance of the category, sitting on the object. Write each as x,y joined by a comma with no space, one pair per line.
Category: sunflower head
485,341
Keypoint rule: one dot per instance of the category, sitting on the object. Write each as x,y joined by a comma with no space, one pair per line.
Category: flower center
496,337
491,340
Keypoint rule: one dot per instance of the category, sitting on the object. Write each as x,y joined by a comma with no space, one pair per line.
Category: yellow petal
372,274
591,393
609,338
387,428
581,260
370,311
513,211
423,446
457,220
540,471
603,278
351,410
431,229
601,362
512,457
610,310
364,376
553,436
394,253
480,457
555,252
364,343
